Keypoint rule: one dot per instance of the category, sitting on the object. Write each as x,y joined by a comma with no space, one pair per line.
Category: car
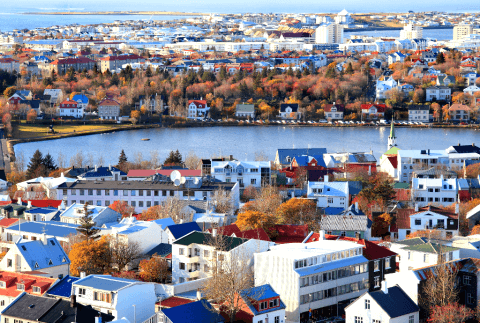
322,121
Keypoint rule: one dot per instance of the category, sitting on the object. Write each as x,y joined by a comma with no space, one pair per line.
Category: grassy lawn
24,131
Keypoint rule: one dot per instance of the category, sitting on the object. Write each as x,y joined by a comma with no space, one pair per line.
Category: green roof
401,185
392,151
412,241
430,248
203,238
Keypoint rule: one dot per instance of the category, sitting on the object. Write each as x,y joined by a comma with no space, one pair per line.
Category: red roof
393,161
290,233
258,234
5,223
68,102
108,102
45,203
438,210
403,219
12,278
199,103
402,194
77,60
165,172
175,301
380,107
228,230
328,107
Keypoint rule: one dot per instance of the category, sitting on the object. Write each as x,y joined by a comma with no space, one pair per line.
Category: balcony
193,273
193,258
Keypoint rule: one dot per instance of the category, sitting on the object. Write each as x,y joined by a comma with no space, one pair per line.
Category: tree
475,230
35,168
135,116
49,163
174,158
32,116
123,208
123,253
299,211
381,224
154,270
91,257
154,212
440,58
223,201
192,161
450,313
122,160
249,193
9,91
249,219
87,225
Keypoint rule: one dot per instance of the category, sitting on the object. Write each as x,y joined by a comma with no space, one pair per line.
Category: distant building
461,31
109,109
410,31
329,33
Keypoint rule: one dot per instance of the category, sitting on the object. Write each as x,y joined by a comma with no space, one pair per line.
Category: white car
322,121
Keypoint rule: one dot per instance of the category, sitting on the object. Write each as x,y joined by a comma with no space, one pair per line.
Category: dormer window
50,262
36,265
274,302
2,284
21,287
64,260
37,289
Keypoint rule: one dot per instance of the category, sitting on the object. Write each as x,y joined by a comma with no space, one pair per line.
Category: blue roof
38,255
354,187
331,265
260,293
63,288
179,230
55,229
80,98
284,153
198,312
102,171
396,303
163,250
132,229
333,210
42,210
104,282
304,160
164,222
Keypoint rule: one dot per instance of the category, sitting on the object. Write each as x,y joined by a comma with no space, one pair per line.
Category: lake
244,142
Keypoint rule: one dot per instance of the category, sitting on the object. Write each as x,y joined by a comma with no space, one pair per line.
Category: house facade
109,109
247,173
334,111
289,111
329,194
70,108
245,111
197,109
418,113
459,112
438,93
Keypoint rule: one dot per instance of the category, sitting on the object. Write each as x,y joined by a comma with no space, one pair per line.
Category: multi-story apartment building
459,112
438,93
113,63
409,161
410,31
318,278
419,113
9,65
142,194
195,255
247,173
329,33
62,65
461,31
438,191
109,109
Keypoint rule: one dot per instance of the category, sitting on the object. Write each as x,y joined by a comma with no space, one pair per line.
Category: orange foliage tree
381,224
154,270
251,219
152,213
299,211
450,313
92,257
123,208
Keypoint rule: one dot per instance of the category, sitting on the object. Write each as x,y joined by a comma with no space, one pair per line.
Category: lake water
244,142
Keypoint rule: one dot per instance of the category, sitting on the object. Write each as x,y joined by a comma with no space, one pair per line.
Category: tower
392,140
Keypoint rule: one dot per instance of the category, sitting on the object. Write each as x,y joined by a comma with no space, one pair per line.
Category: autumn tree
135,116
91,257
192,161
87,225
154,270
31,116
450,313
223,201
299,211
123,208
123,253
9,91
249,193
250,219
381,225
152,213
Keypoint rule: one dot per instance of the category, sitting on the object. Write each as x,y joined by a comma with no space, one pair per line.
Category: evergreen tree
49,163
349,69
174,157
87,226
122,159
36,167
440,58
148,72
115,80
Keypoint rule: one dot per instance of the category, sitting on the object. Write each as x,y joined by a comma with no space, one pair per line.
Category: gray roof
418,107
344,222
197,206
247,108
29,307
104,282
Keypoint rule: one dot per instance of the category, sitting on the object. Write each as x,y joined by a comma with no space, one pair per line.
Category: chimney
199,295
109,167
98,319
19,201
83,274
416,207
384,287
325,178
356,207
61,175
457,208
44,239
73,301
29,204
321,235
95,168
214,232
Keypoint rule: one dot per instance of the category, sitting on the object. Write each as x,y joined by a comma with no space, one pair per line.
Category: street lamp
134,314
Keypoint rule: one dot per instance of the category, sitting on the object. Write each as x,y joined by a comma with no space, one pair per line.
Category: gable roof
22,307
63,288
430,247
203,238
290,233
395,303
284,153
198,312
62,312
259,293
228,230
162,250
39,255
293,106
247,108
179,230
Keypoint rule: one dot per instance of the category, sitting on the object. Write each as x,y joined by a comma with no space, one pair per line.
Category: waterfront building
329,33
411,31
418,113
247,173
462,31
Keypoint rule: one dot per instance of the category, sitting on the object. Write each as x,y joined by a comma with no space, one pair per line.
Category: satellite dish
196,181
176,182
183,180
175,175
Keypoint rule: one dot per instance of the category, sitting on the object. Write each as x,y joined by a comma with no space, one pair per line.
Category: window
149,204
387,262
99,192
115,192
140,192
469,298
133,203
103,297
206,253
425,257
276,320
36,289
181,251
330,200
418,222
367,304
376,321
411,319
82,192
107,203
358,319
409,255
9,262
377,281
140,204
20,287
273,303
82,291
107,192
125,192
181,266
205,268
376,265
133,193
263,305
99,203
90,192
467,280
73,192
253,181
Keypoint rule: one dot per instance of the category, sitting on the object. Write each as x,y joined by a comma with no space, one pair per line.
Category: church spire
392,140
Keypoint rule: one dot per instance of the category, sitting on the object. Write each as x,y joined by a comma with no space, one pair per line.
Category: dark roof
63,313
395,303
284,153
465,149
418,108
198,312
162,250
63,288
30,307
413,241
204,238
179,230
102,171
294,106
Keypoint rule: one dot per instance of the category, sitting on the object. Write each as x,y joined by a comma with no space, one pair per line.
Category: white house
290,111
246,173
388,305
384,86
45,256
472,89
56,95
194,256
245,111
418,113
329,194
429,218
197,109
438,93
119,297
437,191
100,214
70,108
320,277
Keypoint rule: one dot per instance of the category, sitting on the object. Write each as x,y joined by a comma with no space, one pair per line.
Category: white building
410,31
383,306
438,191
410,160
383,86
438,93
418,113
329,33
344,18
329,194
246,173
322,276
194,256
461,31
122,298
100,214
197,109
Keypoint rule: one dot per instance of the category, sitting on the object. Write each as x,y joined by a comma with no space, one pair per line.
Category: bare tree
192,161
260,156
158,104
20,162
154,159
61,160
77,159
89,160
172,208
72,239
223,201
123,253
100,160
